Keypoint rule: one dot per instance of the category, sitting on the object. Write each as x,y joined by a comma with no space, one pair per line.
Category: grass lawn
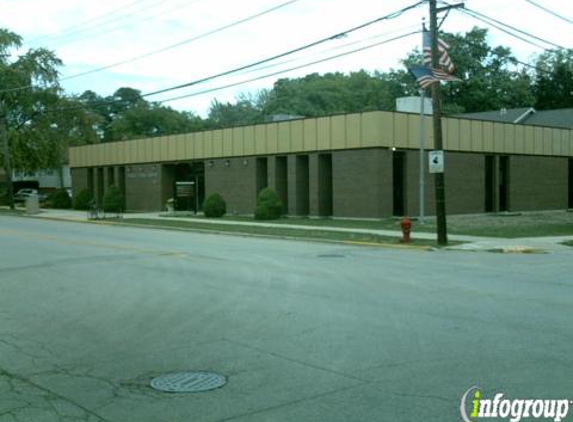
7,211
527,224
318,234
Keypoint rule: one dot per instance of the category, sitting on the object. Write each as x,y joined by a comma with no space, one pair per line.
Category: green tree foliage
554,80
113,201
37,133
247,110
490,79
148,120
82,200
126,115
269,205
319,95
214,206
60,199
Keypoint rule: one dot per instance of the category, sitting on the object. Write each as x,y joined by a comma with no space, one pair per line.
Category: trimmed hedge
214,206
113,200
60,199
269,205
82,200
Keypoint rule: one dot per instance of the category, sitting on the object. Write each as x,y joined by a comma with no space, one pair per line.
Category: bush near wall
82,200
269,205
113,200
214,206
60,199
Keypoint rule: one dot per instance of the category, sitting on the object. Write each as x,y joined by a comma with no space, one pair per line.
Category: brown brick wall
143,187
538,183
236,183
79,180
464,181
298,185
362,183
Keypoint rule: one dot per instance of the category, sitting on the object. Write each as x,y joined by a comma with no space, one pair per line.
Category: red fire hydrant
406,226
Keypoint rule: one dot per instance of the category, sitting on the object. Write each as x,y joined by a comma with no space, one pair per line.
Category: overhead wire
259,62
508,28
328,50
287,53
128,24
550,11
187,41
82,29
163,49
114,11
291,69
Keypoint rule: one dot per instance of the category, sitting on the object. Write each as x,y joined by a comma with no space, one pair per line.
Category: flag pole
422,141
422,158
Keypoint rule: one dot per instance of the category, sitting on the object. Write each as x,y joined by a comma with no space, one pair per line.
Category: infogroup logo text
512,409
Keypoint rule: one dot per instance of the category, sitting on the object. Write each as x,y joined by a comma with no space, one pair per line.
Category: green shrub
3,196
82,200
113,200
214,206
60,199
269,205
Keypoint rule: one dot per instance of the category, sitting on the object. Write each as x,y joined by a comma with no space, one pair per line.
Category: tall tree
318,95
29,87
554,79
490,79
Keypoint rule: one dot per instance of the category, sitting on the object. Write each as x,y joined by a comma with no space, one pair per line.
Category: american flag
426,76
444,59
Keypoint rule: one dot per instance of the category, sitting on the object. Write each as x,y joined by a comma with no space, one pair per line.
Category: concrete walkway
473,243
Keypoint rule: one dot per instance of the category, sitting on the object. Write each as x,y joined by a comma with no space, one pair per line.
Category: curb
242,234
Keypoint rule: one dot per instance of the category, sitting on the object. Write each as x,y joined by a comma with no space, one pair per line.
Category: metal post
422,158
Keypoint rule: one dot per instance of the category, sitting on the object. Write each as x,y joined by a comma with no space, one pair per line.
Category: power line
263,61
280,72
126,25
288,53
179,44
503,29
488,20
318,53
87,21
189,40
550,11
56,37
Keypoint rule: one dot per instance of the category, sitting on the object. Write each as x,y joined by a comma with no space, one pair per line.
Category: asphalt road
89,314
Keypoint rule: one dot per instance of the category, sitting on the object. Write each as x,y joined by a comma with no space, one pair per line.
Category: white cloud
130,28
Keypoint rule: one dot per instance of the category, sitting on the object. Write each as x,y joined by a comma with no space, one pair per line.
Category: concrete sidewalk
473,243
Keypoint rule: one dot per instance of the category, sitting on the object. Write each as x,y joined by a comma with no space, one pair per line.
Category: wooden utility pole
6,153
442,230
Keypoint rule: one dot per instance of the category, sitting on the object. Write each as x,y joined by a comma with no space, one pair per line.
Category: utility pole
6,153
442,230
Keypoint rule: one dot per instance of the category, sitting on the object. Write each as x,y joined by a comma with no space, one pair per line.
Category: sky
92,34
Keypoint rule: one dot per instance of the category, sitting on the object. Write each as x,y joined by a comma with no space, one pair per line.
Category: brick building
363,165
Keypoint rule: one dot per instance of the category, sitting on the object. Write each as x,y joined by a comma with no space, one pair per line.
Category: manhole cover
188,382
331,255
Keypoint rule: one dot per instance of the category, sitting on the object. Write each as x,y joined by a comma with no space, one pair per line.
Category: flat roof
346,131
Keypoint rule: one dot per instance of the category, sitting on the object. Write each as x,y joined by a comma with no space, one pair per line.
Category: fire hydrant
406,226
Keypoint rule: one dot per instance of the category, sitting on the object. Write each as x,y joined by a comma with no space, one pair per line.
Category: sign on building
436,162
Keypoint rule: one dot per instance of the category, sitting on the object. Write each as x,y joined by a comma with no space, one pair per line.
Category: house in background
560,118
48,180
